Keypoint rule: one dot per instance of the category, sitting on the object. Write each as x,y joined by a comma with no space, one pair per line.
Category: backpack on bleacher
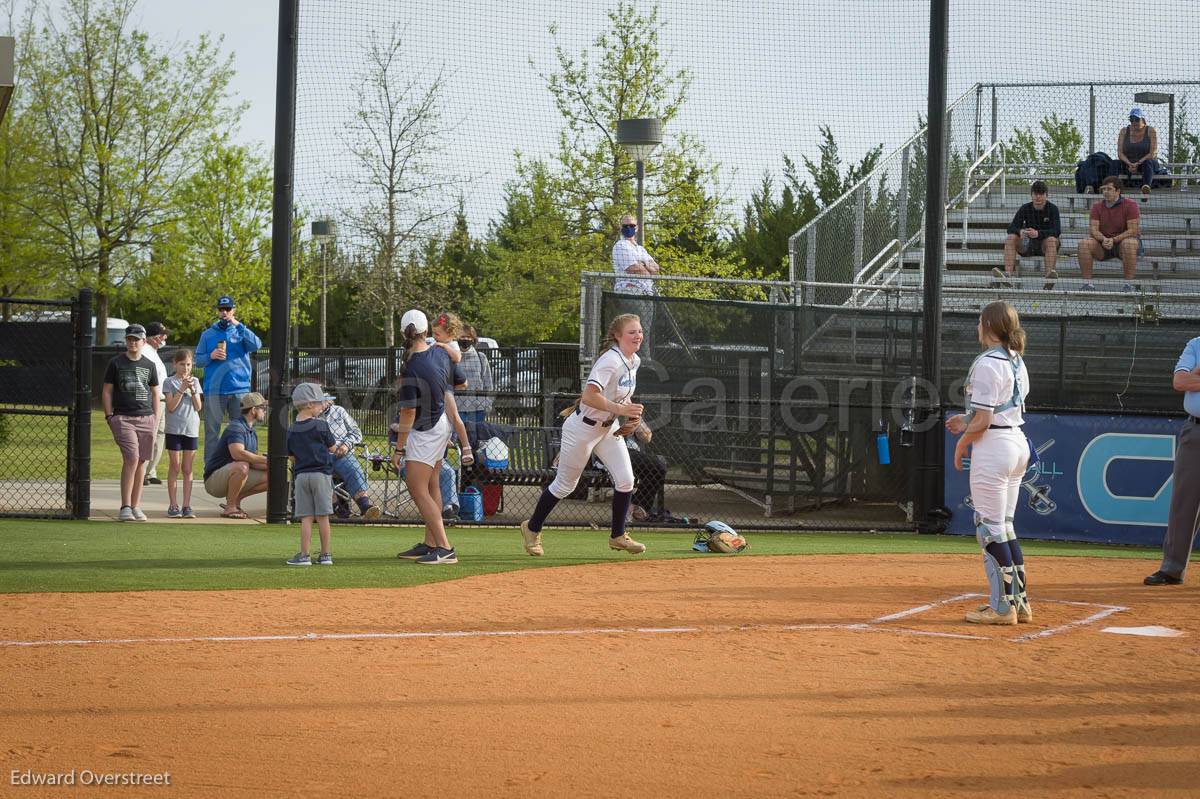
1161,182
1093,169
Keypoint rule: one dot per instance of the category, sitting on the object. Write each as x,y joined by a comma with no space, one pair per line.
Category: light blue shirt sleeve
1189,359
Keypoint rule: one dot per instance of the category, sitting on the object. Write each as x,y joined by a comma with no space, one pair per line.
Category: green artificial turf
43,556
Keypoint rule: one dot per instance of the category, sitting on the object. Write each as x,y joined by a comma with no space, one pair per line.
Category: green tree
530,288
217,241
25,264
396,137
579,195
1057,141
119,118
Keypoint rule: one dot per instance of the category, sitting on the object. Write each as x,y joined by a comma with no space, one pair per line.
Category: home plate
1153,631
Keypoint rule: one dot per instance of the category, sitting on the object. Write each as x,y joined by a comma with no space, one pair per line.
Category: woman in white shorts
423,432
589,429
1000,453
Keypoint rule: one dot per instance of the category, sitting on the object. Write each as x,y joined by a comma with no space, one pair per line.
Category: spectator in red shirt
1114,231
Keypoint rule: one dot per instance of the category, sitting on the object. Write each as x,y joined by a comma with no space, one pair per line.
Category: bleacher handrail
880,168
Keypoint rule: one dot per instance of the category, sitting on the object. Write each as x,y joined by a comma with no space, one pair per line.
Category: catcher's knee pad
988,531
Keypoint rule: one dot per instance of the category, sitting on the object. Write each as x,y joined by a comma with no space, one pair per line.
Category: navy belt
593,422
1002,426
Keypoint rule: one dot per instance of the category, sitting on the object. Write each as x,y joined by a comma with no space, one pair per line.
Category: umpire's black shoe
1162,578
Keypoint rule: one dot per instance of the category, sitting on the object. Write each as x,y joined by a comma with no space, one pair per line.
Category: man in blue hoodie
224,354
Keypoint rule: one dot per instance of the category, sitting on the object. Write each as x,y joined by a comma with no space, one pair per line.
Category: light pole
324,233
639,137
1158,98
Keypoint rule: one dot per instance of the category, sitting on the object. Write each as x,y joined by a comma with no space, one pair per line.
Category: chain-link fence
45,365
1001,138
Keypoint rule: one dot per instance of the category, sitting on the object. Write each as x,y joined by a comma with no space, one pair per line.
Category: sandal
234,513
468,456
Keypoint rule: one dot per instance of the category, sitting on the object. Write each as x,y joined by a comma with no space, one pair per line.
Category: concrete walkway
106,503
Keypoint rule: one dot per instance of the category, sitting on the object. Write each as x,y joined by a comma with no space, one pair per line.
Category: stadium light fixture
1162,98
639,137
7,72
324,233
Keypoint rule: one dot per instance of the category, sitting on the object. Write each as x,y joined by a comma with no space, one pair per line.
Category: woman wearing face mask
630,259
474,407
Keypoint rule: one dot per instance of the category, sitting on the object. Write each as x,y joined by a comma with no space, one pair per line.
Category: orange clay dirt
877,711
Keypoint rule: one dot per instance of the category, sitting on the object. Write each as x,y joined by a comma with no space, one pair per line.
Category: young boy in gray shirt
311,446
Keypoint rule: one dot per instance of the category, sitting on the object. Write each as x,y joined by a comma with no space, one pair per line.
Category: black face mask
466,343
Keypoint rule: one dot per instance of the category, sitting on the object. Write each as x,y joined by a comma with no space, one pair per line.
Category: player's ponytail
1000,320
411,337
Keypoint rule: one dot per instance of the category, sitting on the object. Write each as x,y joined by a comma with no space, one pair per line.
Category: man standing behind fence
131,396
1185,479
156,337
630,258
224,354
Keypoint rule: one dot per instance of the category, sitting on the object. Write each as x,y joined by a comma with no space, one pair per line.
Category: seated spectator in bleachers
1035,230
1114,230
1137,148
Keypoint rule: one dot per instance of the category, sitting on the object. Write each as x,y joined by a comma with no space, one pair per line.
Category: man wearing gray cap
131,397
236,470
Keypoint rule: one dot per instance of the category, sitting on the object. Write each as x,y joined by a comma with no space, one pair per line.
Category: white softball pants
579,441
998,463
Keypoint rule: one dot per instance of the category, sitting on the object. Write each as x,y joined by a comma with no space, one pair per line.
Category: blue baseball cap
1136,113
225,301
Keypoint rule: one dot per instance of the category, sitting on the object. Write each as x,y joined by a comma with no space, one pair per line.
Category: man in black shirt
1035,230
131,395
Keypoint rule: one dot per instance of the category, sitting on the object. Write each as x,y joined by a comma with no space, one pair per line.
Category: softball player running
589,429
996,388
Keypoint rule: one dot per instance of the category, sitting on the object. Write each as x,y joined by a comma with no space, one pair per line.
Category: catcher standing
997,386
588,430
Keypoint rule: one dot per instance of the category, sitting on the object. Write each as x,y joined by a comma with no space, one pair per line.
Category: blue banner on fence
1100,479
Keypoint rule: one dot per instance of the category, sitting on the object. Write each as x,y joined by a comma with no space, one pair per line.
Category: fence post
1091,119
995,108
79,469
902,216
978,120
810,266
860,213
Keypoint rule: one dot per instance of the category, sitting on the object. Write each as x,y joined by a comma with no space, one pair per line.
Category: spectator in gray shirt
474,407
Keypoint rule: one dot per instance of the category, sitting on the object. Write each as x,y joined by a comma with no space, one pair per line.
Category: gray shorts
313,494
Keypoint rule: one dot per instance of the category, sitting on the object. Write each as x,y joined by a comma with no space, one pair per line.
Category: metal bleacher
858,270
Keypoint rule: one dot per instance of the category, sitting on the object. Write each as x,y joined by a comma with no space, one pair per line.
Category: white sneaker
138,515
986,615
626,544
126,514
533,541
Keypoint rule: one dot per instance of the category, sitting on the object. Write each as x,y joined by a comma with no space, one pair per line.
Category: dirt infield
749,676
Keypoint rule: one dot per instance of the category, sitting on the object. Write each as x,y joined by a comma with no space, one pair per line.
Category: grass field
110,556
35,449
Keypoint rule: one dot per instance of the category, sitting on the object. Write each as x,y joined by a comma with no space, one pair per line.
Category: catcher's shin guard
997,565
1018,558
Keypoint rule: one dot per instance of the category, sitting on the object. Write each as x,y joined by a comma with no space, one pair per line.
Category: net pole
281,257
931,493
79,488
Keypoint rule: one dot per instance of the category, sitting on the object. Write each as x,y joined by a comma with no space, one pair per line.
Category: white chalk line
875,625
1104,612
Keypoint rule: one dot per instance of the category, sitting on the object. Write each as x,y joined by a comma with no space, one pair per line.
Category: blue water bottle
882,446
